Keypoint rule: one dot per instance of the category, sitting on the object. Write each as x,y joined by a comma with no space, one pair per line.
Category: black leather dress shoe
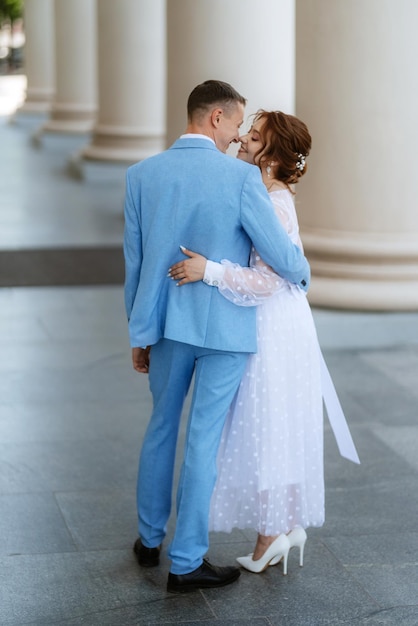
204,577
147,557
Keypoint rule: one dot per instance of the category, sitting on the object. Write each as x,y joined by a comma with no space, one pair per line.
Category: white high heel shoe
277,551
297,538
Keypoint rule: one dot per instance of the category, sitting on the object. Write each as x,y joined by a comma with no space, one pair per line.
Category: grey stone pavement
72,415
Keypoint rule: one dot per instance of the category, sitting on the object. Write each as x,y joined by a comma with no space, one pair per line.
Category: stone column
132,70
358,93
39,56
75,103
248,43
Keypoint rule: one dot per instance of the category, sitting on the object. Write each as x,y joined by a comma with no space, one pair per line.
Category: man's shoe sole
203,585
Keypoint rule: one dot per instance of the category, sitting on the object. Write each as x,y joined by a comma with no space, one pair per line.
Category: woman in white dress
270,461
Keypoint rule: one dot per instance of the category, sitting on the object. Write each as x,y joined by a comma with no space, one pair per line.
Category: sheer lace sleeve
244,286
249,286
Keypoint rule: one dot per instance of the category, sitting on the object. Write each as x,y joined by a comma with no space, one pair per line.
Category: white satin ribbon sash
336,416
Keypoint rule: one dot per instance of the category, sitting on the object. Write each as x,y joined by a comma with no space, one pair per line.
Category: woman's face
251,143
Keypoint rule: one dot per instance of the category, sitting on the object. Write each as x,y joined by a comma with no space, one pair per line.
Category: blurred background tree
11,35
11,10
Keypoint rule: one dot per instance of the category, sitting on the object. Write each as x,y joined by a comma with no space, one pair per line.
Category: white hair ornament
300,164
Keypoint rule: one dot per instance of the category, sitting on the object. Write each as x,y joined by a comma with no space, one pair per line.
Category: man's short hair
211,93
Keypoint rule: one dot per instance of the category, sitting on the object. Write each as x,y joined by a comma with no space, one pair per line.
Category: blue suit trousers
217,375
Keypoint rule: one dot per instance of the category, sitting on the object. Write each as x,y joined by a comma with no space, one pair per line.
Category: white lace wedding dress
270,461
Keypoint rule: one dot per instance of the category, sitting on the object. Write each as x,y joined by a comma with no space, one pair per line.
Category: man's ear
215,117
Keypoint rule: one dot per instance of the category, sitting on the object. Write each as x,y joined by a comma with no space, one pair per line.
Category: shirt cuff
214,273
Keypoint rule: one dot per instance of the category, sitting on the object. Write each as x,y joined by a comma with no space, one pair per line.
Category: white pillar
358,204
132,69
247,43
39,56
75,103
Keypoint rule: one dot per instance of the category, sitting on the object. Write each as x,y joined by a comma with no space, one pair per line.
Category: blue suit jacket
194,195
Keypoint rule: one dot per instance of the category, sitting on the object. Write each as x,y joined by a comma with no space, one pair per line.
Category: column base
63,144
34,108
72,119
38,100
97,171
77,127
363,271
363,295
123,145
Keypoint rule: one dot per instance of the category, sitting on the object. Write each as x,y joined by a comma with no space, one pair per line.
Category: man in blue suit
195,195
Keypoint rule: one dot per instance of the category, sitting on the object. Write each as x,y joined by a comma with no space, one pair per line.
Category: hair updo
286,145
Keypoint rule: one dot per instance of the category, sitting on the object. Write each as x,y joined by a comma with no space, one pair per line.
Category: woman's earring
268,170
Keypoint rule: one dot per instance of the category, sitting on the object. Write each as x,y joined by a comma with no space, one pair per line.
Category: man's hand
140,359
189,271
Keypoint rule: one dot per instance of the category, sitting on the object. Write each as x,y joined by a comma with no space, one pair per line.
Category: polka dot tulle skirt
270,461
